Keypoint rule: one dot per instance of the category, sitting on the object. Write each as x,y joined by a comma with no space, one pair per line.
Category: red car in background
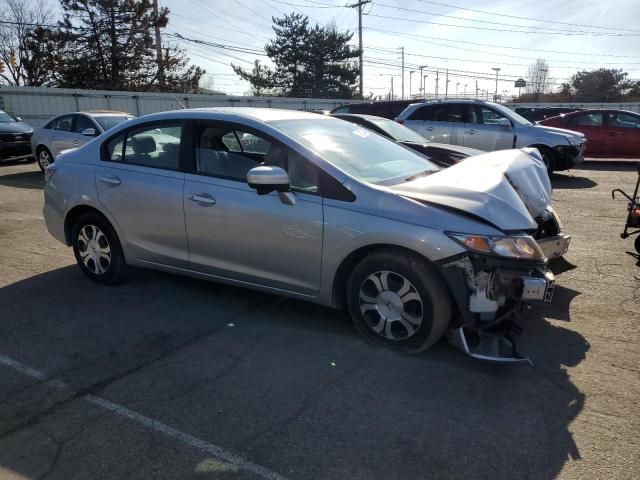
610,133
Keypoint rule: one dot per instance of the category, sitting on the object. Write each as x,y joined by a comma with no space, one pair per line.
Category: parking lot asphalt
170,377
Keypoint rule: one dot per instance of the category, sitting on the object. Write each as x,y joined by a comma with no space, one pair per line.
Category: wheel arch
350,261
75,213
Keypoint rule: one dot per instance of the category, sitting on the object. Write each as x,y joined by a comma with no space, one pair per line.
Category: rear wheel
97,249
399,301
44,158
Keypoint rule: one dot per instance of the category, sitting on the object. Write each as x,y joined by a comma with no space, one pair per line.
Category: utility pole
421,83
437,78
402,50
446,85
424,83
391,88
476,88
411,72
359,5
495,97
156,17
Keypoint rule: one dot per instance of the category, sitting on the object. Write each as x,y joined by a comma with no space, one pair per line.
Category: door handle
470,132
613,134
204,199
111,180
430,129
76,142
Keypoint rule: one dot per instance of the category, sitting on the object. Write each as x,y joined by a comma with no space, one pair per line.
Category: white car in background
72,130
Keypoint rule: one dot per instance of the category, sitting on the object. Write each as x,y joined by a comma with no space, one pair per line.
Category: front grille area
15,137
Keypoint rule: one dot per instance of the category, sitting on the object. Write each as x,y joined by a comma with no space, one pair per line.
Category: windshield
398,132
110,121
361,153
5,117
507,112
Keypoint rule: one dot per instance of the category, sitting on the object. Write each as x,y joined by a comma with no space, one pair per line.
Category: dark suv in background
390,109
15,137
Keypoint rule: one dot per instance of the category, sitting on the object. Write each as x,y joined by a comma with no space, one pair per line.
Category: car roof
104,113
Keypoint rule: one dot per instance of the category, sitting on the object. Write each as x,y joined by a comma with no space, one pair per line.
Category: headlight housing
521,247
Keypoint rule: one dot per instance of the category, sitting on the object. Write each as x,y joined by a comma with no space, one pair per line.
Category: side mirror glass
268,178
89,132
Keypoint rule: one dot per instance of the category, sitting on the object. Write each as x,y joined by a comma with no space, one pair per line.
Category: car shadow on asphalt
32,180
570,181
508,420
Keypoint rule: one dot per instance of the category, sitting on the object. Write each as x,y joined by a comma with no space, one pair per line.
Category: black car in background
442,154
535,114
390,109
15,137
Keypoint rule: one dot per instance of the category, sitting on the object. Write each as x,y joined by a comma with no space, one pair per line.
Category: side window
156,146
219,154
423,113
303,176
83,123
253,144
63,123
489,116
623,120
115,148
588,119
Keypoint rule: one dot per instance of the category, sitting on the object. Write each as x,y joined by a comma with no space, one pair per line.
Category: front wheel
399,301
97,249
44,158
637,244
548,157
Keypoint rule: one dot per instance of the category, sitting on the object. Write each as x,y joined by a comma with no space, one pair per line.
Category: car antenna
179,103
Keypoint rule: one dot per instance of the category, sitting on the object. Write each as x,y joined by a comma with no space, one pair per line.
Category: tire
43,157
637,244
414,310
98,250
548,157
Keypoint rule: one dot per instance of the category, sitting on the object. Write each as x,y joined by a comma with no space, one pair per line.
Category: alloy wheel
44,159
94,249
390,305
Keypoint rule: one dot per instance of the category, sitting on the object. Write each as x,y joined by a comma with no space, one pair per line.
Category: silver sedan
319,209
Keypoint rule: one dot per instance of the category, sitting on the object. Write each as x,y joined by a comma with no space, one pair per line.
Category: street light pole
424,86
446,84
437,78
411,72
496,69
457,85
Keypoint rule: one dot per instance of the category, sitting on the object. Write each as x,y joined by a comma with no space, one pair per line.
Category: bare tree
21,23
538,74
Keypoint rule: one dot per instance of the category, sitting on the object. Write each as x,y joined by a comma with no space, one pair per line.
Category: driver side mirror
89,132
268,178
505,122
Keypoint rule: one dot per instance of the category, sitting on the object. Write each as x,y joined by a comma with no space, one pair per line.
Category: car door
592,125
62,135
487,129
623,134
140,185
83,122
441,123
235,233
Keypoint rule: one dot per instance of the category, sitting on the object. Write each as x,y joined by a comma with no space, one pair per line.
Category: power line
557,22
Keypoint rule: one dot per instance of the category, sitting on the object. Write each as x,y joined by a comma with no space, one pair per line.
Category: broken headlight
522,247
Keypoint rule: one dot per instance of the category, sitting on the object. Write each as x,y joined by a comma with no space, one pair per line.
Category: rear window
107,122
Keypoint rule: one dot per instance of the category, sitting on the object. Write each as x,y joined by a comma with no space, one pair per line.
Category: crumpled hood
507,188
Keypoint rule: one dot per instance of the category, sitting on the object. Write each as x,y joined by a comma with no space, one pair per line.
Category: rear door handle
613,134
470,132
111,180
203,199
430,129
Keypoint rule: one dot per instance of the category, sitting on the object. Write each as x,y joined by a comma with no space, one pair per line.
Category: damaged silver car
319,209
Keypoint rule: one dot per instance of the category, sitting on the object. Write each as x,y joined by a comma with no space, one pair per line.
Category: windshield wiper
426,173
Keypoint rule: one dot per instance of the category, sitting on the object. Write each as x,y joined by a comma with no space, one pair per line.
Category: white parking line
151,424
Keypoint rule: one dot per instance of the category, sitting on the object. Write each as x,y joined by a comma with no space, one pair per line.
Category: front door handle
470,132
110,180
613,134
430,129
203,199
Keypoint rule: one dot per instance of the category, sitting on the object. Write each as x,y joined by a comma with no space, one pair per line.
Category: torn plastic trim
489,347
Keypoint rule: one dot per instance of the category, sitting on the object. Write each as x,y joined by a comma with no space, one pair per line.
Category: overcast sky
586,35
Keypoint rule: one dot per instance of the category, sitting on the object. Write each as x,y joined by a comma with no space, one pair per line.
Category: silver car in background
489,126
315,208
71,130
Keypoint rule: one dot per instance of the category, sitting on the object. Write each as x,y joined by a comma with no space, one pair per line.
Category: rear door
484,131
592,125
140,184
442,123
235,233
623,134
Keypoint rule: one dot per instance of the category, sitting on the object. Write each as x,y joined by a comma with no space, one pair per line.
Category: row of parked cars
488,126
